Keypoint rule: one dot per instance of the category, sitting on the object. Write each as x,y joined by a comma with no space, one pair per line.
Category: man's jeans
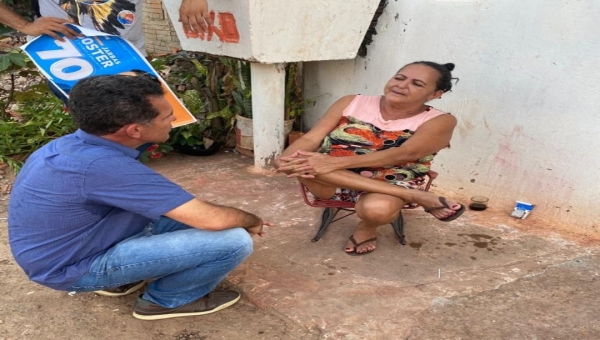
186,262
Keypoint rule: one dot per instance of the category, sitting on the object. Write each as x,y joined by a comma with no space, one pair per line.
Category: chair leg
398,225
326,218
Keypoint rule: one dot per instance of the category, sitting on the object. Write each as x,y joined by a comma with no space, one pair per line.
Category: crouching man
85,215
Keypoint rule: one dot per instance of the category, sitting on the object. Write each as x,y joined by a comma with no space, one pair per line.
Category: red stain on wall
509,171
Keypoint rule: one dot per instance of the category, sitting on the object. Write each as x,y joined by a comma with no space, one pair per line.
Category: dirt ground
31,311
481,277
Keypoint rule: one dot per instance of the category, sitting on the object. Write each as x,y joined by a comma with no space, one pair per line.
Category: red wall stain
507,171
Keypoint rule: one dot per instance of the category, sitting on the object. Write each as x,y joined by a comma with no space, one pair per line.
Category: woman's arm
311,140
429,138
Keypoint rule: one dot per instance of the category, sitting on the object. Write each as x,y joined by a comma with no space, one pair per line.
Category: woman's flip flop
356,244
446,206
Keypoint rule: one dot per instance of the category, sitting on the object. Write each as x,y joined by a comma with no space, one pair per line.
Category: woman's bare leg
373,210
323,186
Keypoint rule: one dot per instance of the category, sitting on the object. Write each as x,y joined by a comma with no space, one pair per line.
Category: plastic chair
332,208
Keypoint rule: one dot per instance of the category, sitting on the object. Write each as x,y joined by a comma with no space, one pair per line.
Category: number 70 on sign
70,63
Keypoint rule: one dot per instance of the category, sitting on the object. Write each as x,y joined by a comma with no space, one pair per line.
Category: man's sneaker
213,302
121,290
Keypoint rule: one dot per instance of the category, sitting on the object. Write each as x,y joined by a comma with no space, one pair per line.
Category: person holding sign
85,215
117,17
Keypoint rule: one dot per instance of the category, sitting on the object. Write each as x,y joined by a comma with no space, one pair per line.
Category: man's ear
132,130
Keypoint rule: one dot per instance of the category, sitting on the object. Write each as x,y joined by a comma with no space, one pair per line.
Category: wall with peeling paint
526,102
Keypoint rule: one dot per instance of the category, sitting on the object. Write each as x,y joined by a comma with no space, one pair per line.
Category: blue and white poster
66,62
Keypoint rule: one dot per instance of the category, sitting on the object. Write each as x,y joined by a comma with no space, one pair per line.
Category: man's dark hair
101,105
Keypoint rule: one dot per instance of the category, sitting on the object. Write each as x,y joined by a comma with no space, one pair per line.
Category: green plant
192,134
203,132
13,63
42,119
294,99
29,115
243,93
294,102
155,151
215,90
204,84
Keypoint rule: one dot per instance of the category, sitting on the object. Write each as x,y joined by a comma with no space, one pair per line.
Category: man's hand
49,26
194,16
258,229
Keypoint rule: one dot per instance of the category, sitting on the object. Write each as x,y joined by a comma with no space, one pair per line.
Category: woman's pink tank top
366,108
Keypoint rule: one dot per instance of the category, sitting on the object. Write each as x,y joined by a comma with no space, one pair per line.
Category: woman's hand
320,163
294,166
308,164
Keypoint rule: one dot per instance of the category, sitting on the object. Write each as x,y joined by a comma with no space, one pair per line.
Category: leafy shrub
29,115
214,89
41,120
155,151
204,83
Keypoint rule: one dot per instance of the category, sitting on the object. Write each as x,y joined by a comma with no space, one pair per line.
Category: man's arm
45,25
194,16
204,215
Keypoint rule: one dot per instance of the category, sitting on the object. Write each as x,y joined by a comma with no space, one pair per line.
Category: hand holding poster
66,62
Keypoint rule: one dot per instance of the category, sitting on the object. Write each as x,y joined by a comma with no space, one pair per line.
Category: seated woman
375,150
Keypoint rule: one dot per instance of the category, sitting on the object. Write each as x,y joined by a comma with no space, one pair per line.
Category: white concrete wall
276,31
527,101
302,30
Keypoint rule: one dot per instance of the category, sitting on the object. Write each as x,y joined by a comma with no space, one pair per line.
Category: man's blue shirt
75,198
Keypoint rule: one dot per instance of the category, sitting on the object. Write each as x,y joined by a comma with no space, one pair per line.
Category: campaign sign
66,62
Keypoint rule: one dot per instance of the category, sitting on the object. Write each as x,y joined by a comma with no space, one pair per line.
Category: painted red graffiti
226,31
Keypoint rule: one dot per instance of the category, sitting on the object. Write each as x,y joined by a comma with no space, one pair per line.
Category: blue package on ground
522,209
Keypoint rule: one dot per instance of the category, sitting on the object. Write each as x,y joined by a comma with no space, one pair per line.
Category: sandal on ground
446,206
356,244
